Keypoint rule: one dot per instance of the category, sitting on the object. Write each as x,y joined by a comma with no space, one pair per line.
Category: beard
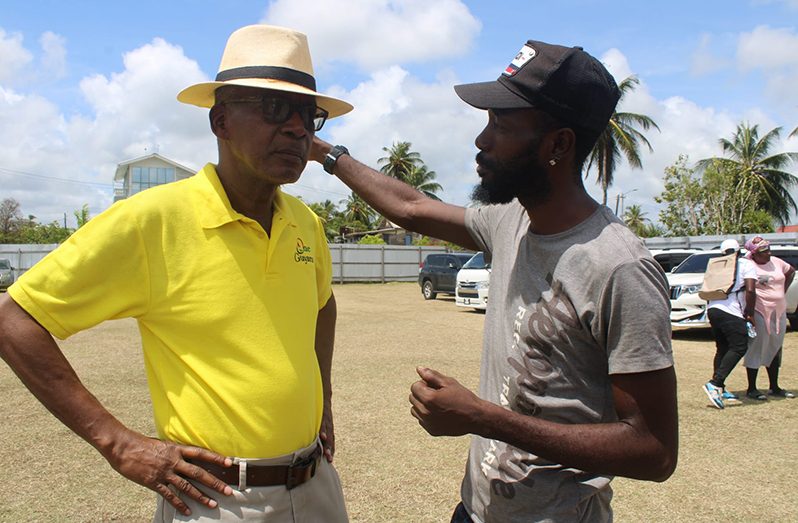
522,178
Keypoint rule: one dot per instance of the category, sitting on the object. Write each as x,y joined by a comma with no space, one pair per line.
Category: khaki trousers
319,500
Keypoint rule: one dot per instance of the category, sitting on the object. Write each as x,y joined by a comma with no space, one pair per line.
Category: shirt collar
217,209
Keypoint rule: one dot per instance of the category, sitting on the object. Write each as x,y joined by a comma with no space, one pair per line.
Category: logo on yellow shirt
302,253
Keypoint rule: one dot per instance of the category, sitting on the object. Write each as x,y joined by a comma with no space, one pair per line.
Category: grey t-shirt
565,312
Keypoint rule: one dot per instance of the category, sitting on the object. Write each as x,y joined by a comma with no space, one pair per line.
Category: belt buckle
301,471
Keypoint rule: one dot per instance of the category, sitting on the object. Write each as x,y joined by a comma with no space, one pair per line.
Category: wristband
332,157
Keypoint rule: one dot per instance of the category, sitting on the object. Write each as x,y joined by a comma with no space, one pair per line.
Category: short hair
585,140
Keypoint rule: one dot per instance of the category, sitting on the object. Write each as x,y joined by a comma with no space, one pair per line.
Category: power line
52,178
316,189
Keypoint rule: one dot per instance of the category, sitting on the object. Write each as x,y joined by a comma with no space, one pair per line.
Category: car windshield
695,263
5,264
476,262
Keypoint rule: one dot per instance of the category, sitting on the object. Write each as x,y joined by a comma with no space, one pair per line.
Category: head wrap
757,244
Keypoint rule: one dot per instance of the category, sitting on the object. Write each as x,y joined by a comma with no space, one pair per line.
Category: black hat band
268,72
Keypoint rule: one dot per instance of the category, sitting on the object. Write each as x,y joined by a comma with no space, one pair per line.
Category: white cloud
14,58
767,48
773,53
134,112
704,61
377,33
616,63
54,57
685,128
137,108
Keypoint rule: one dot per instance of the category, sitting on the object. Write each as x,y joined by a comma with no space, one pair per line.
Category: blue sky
85,85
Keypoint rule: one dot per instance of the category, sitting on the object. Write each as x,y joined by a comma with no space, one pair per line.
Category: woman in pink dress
774,276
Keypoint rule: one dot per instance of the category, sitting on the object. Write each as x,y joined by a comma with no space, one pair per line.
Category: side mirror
451,265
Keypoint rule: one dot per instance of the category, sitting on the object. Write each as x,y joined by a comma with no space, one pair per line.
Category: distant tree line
746,190
15,227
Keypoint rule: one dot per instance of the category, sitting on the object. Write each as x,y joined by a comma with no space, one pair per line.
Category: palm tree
424,181
357,213
406,165
620,137
635,219
749,157
324,210
330,217
400,160
82,215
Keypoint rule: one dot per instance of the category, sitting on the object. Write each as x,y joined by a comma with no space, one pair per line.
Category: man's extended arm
642,444
33,355
325,342
399,202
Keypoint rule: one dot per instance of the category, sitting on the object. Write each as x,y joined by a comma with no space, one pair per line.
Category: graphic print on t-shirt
538,331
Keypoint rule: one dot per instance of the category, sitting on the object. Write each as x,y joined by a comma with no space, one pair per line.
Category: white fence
22,256
383,263
351,263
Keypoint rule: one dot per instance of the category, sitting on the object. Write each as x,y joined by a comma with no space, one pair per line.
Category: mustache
486,162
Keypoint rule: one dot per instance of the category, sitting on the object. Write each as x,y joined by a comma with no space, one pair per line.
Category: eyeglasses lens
279,110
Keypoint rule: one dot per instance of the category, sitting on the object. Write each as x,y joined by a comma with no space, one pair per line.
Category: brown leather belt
267,475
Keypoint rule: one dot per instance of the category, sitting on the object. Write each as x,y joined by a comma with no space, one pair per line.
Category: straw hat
268,57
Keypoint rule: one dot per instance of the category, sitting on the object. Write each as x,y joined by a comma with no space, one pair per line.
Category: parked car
438,273
473,282
669,259
688,310
6,274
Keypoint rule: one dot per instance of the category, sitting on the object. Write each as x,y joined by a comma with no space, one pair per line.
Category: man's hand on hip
161,466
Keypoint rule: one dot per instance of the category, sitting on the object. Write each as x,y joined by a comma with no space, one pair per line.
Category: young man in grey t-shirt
577,380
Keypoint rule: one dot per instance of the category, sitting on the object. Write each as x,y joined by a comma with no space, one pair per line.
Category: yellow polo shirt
227,313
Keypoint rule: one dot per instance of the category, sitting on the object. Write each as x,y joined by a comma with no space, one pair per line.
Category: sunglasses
279,110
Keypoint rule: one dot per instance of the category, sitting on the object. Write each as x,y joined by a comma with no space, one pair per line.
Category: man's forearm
398,201
389,196
642,444
616,448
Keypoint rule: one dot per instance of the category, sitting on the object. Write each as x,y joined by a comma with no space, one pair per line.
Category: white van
473,281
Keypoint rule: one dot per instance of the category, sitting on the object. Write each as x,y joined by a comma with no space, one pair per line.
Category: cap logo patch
521,59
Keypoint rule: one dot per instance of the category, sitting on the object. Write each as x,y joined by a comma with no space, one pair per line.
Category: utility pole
619,201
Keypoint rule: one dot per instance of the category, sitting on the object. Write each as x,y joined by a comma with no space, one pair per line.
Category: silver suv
688,310
6,274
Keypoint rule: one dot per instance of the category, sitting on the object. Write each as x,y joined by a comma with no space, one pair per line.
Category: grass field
736,465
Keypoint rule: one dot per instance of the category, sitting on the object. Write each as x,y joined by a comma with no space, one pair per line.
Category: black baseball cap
565,82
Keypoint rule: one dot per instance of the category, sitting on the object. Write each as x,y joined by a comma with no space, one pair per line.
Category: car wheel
426,290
